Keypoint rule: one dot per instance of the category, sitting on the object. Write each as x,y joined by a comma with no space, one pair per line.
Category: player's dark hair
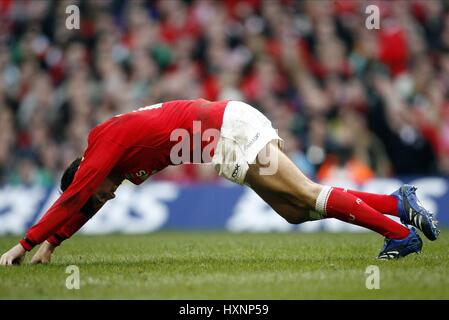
69,174
67,178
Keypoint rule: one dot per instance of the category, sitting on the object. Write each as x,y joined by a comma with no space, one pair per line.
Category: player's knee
295,220
306,195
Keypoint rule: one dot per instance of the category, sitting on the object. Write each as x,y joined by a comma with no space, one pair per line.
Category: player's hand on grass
15,255
43,255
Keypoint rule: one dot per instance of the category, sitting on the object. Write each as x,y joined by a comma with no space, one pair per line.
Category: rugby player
243,147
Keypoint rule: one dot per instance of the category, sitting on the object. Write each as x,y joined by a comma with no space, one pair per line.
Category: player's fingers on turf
7,261
36,259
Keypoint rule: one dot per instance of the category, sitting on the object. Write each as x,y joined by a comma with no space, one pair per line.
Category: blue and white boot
395,249
413,213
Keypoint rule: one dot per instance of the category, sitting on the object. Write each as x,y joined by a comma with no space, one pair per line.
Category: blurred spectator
348,101
343,166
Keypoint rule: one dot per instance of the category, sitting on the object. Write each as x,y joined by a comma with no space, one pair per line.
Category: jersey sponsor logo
252,141
141,174
129,176
235,173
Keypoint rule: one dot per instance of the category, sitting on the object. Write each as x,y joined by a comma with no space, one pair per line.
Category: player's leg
384,203
245,132
288,184
293,213
297,213
402,203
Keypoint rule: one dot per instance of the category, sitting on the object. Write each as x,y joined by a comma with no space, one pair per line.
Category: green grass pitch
219,265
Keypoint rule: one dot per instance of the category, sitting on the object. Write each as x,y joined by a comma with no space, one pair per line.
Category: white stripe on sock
321,201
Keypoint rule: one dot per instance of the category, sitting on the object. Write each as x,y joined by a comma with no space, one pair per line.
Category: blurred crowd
351,102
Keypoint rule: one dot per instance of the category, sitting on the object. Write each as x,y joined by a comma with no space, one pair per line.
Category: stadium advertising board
166,205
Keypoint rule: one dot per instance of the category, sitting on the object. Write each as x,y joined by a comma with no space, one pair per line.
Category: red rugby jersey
135,145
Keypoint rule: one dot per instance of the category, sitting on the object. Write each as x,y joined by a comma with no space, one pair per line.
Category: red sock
346,207
383,203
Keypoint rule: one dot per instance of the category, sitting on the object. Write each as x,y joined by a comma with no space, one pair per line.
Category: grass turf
215,265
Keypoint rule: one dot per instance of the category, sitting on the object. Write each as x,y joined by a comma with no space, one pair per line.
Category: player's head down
105,192
69,174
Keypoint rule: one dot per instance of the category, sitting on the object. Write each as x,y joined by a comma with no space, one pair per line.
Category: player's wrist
49,246
27,244
55,240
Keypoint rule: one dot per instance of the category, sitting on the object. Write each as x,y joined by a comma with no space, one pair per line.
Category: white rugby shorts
244,133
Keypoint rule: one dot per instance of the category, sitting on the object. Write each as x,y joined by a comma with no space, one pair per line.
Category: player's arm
63,211
76,222
98,162
46,249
